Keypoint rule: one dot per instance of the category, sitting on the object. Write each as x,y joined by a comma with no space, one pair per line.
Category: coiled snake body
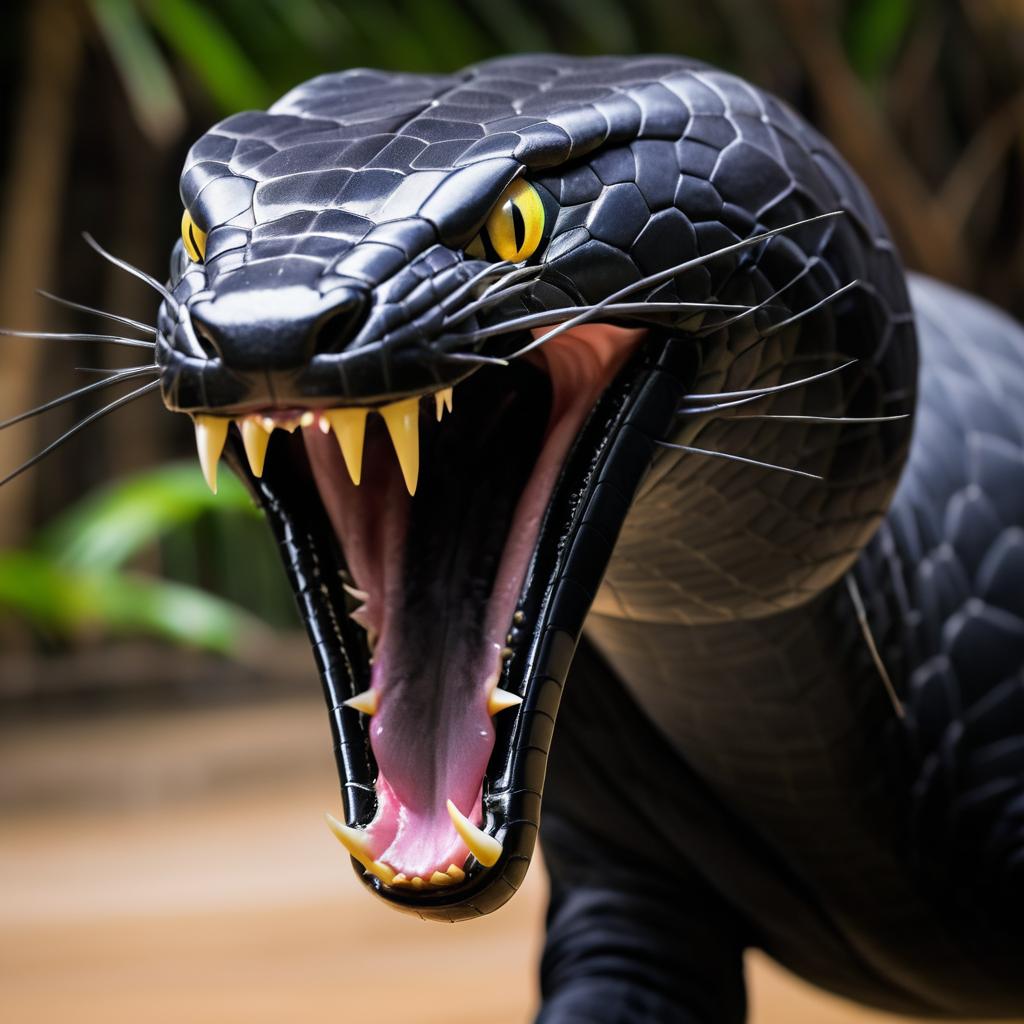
688,426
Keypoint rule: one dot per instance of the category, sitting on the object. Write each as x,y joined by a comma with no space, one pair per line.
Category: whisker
831,297
475,358
113,369
669,273
467,286
555,316
738,458
130,268
81,425
764,303
529,271
126,320
107,339
819,419
869,639
116,378
752,393
489,298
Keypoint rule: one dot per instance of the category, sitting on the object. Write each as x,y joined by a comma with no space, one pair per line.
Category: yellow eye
516,224
194,239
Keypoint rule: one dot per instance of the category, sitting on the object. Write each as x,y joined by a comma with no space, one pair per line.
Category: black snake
649,362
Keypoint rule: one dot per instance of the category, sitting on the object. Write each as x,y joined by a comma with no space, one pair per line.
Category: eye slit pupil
518,227
192,239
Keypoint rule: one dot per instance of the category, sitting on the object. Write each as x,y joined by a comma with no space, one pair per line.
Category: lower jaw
441,651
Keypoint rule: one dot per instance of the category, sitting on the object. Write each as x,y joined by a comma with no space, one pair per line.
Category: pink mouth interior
436,656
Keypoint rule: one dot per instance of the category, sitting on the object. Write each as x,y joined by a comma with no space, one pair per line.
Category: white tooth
442,401
359,595
501,699
349,427
324,424
366,702
485,848
359,616
307,419
255,438
268,424
211,434
358,845
403,423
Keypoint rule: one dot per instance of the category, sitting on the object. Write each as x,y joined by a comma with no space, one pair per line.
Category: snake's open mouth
437,577
445,550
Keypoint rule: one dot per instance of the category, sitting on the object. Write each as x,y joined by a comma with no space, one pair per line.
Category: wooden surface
175,867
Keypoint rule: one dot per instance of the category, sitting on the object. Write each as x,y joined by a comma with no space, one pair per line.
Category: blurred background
164,758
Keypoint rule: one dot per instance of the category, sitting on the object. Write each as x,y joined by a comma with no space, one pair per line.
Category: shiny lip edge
546,653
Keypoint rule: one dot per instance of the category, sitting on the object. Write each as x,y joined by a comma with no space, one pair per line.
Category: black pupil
192,239
518,227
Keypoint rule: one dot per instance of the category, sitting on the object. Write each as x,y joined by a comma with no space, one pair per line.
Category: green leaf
874,32
202,42
152,91
107,528
69,602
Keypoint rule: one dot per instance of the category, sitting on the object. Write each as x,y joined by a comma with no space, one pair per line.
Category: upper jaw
413,336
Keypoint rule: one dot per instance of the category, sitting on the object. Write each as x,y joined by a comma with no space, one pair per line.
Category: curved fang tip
211,435
485,848
255,438
355,842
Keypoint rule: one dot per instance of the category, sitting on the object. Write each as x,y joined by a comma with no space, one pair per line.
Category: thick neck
709,540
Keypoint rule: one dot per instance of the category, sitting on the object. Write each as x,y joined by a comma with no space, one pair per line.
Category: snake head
440,326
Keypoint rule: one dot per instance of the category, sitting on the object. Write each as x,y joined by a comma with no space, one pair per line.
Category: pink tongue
432,735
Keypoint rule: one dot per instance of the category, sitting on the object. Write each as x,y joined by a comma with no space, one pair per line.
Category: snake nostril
205,339
340,324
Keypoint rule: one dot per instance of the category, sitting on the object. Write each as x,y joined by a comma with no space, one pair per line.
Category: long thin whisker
831,297
753,393
488,299
126,320
729,321
869,639
81,425
107,339
474,358
116,378
738,458
130,268
513,276
556,316
106,370
669,273
819,419
490,270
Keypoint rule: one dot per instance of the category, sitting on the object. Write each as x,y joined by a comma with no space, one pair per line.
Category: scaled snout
278,328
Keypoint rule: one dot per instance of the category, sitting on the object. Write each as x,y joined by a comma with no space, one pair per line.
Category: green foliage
208,48
71,602
75,579
874,32
107,528
152,90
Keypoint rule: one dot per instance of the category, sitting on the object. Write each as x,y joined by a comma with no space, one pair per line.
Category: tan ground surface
176,867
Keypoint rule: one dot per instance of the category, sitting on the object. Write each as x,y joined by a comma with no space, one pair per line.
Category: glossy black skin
728,770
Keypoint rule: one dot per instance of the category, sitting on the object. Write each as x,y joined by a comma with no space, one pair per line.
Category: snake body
728,769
